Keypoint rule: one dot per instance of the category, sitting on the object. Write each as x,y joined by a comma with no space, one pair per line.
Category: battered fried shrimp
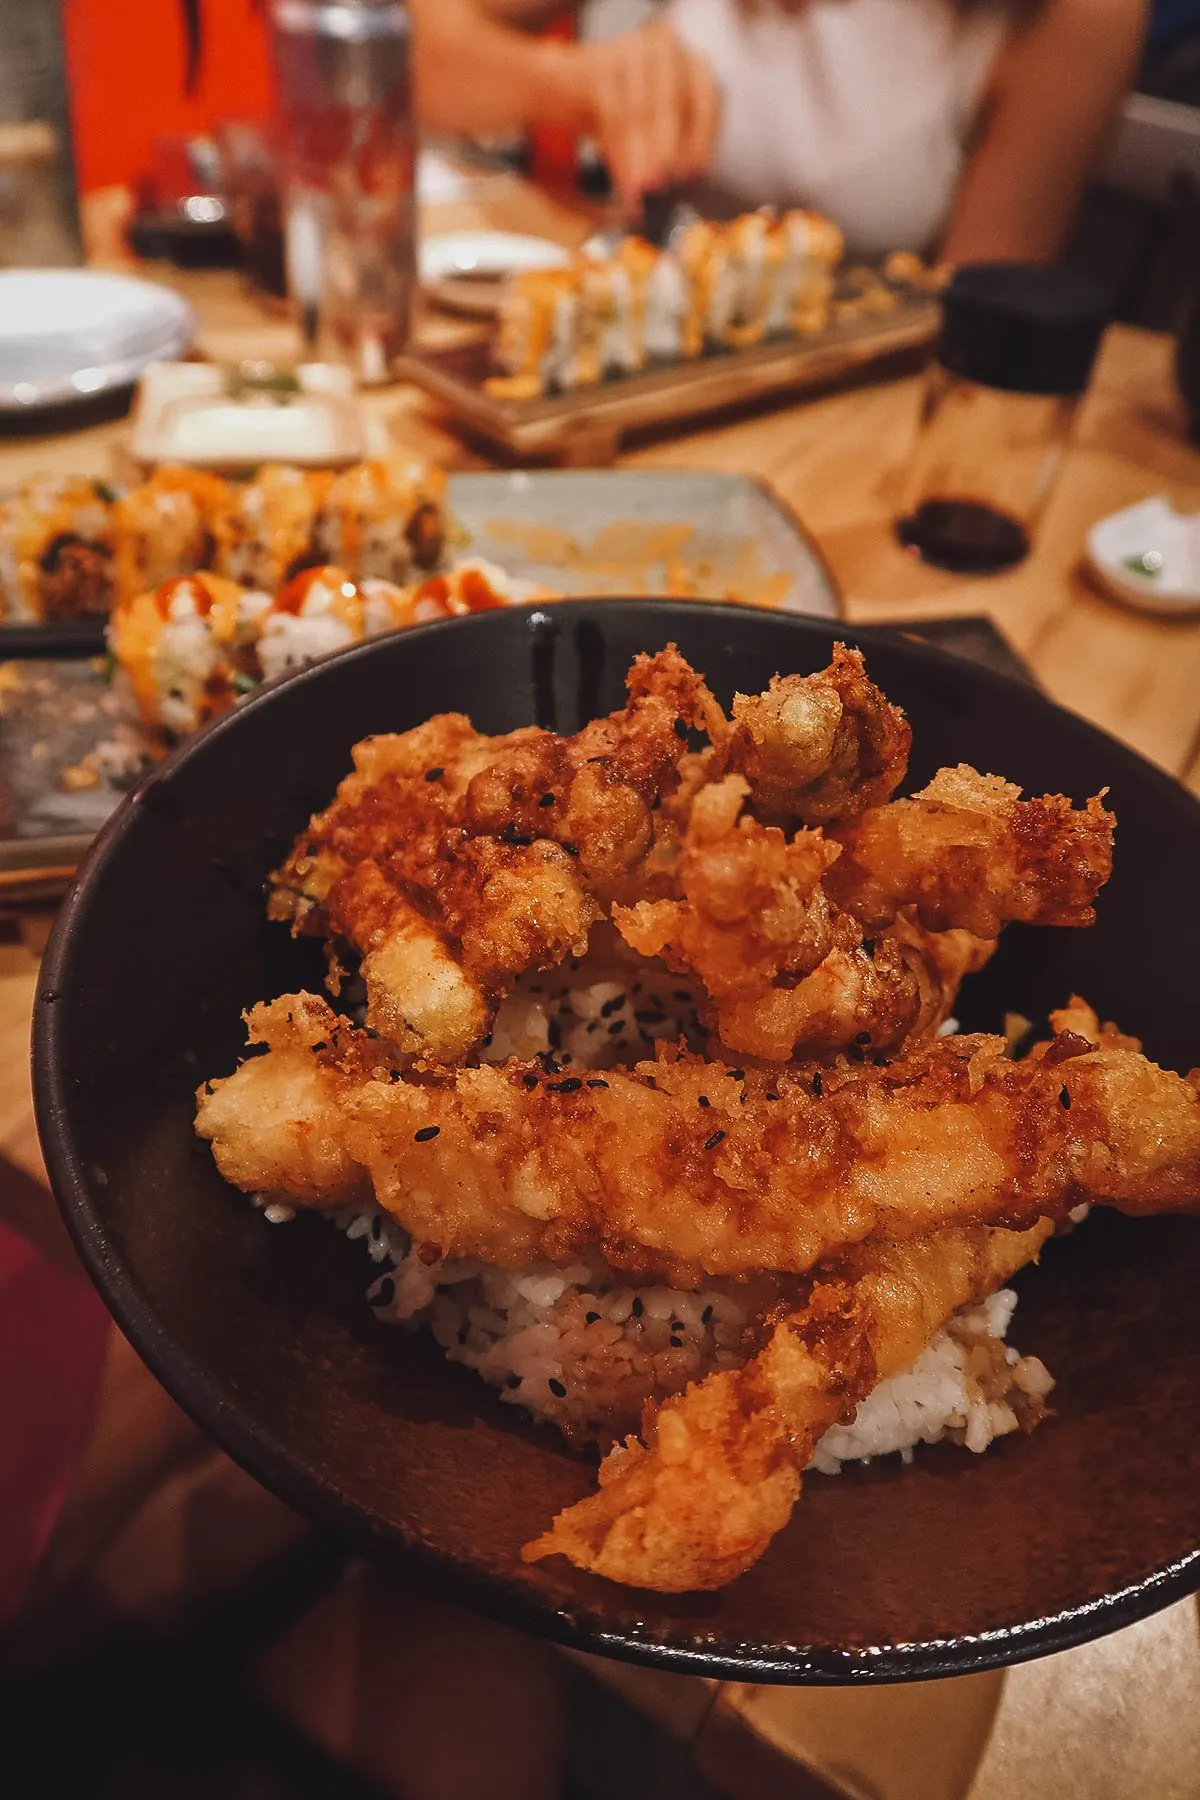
967,851
719,1472
452,862
686,1167
817,748
879,994
752,907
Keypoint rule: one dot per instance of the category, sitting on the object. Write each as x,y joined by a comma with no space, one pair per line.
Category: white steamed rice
583,1349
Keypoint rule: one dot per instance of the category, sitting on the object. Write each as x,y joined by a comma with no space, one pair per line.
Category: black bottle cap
1022,327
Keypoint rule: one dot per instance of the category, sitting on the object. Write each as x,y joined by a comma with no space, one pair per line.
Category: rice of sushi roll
57,550
473,586
815,247
382,519
266,531
322,610
539,330
186,649
163,526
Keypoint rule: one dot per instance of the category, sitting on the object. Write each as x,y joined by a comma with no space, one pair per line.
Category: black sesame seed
529,1081
615,1029
637,1309
650,1016
881,1061
395,1075
597,1084
703,1100
770,1096
370,1031
1064,1098
557,1387
680,994
514,1381
546,800
855,1052
548,1063
593,1025
426,1132
737,1074
706,1316
510,835
681,730
676,1324
591,1318
385,1293
818,1085
434,774
651,1083
554,1033
570,1086
677,1343
717,1137
862,1037
612,1006
568,1058
655,1000
868,947
571,849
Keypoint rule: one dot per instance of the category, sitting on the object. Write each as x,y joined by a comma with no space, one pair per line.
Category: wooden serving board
586,426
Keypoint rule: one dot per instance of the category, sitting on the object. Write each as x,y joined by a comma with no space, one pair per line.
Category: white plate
1149,556
466,269
71,334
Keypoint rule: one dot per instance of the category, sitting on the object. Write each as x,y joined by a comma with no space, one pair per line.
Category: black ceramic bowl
262,1333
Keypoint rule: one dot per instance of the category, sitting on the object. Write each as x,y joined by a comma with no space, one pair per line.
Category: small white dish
217,418
1148,556
465,270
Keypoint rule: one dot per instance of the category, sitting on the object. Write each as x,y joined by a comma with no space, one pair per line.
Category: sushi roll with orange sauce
186,649
266,531
164,526
57,550
383,519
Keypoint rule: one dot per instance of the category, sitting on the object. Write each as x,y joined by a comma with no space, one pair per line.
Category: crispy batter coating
451,862
967,851
818,748
719,1473
751,904
683,1168
880,993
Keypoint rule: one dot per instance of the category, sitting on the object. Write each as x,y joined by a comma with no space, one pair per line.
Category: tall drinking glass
344,74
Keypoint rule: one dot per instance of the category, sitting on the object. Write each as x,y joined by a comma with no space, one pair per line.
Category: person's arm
651,104
1052,101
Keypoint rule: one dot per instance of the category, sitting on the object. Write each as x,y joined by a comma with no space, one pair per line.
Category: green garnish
1149,563
104,490
280,385
108,665
244,684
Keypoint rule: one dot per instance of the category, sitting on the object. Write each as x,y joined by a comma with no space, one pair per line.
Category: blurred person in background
963,128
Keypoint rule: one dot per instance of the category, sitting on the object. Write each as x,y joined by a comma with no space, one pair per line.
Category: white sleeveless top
860,109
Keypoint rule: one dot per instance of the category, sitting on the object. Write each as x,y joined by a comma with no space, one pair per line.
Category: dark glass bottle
1016,350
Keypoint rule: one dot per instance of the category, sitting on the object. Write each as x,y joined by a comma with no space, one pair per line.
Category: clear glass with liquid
349,157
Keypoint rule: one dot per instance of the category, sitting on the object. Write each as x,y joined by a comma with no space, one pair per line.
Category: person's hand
653,108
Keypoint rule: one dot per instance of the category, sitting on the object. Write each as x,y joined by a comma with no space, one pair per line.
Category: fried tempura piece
683,1168
880,994
719,1473
752,907
967,851
817,748
452,861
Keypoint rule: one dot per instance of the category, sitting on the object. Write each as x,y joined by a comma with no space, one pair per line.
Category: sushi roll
57,550
186,649
266,532
474,586
163,527
318,611
539,333
814,249
382,519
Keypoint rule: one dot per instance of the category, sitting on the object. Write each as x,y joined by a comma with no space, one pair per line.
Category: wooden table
837,460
